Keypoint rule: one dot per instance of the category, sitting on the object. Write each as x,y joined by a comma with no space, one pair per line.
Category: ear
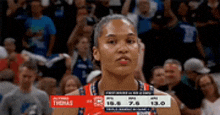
139,45
152,82
35,76
96,53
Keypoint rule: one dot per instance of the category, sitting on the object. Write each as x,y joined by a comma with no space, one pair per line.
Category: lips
123,60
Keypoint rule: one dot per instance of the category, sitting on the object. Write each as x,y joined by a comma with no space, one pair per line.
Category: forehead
143,1
83,39
8,42
71,81
159,70
35,3
118,27
171,66
82,11
26,71
183,5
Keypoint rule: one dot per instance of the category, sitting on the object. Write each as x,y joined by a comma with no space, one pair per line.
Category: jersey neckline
95,90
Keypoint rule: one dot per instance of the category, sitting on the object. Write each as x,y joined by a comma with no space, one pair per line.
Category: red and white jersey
92,90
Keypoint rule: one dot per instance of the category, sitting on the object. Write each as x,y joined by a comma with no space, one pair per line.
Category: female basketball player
116,48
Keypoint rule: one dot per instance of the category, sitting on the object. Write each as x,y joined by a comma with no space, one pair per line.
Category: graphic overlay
134,101
114,102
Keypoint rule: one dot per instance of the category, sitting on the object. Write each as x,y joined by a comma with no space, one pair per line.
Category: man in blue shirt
40,31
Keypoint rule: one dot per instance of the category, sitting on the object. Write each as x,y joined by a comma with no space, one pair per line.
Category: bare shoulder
67,111
173,110
158,92
76,92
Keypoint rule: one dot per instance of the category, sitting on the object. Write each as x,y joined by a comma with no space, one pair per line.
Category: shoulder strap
81,92
150,88
84,91
88,90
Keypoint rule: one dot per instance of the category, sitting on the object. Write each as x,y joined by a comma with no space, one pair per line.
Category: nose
25,79
123,48
167,74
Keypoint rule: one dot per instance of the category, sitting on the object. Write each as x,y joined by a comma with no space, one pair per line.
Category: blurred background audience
69,83
211,102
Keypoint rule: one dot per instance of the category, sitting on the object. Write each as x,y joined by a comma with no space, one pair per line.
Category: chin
123,71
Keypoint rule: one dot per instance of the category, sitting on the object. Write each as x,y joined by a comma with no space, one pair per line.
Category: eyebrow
113,35
131,34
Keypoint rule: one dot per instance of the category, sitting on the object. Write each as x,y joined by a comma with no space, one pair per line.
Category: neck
37,15
211,98
125,83
171,85
25,89
184,19
83,55
156,86
146,14
9,53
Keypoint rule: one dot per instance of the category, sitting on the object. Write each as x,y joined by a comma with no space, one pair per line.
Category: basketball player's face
118,47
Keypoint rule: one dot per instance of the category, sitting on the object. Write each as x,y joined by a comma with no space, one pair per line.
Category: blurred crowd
47,47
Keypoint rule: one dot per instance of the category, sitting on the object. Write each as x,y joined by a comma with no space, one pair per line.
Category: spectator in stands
69,83
188,35
17,13
40,31
26,99
211,102
142,20
161,42
80,3
48,85
15,7
158,77
64,18
187,98
79,50
6,82
14,60
208,15
85,21
103,9
194,68
188,10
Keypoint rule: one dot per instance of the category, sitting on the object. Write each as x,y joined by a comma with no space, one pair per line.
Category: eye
130,41
111,42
